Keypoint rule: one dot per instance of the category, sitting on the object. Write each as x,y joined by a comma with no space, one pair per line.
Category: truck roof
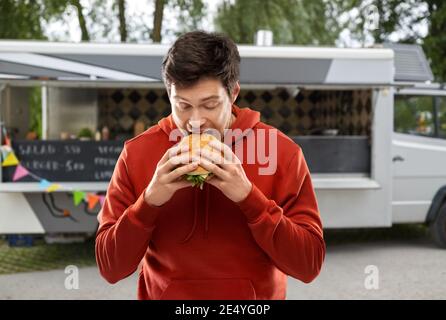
267,65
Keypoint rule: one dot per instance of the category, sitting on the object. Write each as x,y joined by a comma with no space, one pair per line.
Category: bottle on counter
97,136
64,135
138,128
105,133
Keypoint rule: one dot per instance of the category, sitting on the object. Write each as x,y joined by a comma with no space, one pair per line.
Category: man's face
205,105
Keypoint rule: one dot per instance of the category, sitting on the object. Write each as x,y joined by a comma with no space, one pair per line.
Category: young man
253,223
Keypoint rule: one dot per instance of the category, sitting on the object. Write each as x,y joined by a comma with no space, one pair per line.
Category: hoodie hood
245,119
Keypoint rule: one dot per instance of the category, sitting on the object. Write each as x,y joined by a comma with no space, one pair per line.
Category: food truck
369,120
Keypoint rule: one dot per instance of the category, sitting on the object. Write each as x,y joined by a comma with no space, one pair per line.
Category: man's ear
235,92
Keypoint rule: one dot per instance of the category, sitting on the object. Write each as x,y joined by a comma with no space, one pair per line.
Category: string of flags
9,159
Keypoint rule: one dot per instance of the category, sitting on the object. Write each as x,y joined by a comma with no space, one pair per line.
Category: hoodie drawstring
196,205
206,203
195,217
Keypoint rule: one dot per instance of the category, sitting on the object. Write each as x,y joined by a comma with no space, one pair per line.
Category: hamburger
197,141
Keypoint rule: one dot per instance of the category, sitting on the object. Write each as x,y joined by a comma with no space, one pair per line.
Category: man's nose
195,124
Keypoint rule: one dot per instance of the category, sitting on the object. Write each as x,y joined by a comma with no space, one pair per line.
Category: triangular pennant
44,184
92,200
78,196
19,173
53,187
102,200
10,160
7,141
5,150
3,153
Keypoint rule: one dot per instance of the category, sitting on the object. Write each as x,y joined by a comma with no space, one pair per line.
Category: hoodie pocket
209,289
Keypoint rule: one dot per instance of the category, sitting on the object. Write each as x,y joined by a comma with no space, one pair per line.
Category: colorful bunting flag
102,200
92,200
7,141
4,152
53,187
10,160
44,184
19,173
78,196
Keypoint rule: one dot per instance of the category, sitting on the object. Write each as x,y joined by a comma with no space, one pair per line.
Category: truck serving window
414,115
442,117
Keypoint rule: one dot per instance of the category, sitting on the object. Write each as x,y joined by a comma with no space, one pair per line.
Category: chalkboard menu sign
67,160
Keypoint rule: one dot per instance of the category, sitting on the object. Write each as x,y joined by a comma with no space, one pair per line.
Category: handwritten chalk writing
41,165
109,149
71,165
104,161
72,149
103,175
66,160
37,149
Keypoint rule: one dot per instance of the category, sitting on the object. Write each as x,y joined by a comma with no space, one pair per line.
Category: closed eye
184,106
211,105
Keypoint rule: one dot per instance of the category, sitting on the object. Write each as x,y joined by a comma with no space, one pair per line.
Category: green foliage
300,22
85,133
35,103
291,21
435,42
394,16
20,19
191,13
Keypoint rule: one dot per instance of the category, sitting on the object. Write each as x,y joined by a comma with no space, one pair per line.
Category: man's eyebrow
210,98
179,97
202,100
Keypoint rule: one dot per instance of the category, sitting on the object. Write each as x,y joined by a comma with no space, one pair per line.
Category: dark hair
200,54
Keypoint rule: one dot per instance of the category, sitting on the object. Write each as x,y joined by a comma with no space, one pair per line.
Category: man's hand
228,173
167,177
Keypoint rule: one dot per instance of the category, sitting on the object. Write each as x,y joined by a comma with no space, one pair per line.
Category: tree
191,13
400,21
80,15
158,20
189,16
435,42
122,22
378,21
20,20
291,21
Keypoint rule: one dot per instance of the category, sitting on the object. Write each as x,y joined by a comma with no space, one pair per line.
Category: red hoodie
200,244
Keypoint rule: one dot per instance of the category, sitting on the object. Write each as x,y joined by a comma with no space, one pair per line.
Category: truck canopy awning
277,65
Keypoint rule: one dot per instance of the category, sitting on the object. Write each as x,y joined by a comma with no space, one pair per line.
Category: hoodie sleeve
290,231
126,223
